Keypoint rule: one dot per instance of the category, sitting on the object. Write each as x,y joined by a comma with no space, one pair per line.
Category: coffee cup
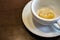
52,4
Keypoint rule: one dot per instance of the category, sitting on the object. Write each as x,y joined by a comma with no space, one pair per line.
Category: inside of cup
52,4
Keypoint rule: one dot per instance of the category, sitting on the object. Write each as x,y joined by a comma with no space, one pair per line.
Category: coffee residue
46,13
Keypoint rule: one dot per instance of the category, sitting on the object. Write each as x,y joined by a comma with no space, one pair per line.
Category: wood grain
11,25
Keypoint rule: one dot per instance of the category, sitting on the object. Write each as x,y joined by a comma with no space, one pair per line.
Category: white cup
53,4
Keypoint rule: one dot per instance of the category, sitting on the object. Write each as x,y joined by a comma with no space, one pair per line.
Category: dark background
11,25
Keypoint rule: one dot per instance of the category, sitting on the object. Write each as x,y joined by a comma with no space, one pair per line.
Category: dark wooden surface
11,25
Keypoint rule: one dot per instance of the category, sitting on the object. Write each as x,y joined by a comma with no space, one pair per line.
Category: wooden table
11,25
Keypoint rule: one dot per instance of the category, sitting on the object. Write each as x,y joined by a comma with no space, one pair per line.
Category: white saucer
36,28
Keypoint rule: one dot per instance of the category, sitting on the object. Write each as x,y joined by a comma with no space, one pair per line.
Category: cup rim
40,18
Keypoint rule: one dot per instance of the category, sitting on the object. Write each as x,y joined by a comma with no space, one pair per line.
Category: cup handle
57,24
